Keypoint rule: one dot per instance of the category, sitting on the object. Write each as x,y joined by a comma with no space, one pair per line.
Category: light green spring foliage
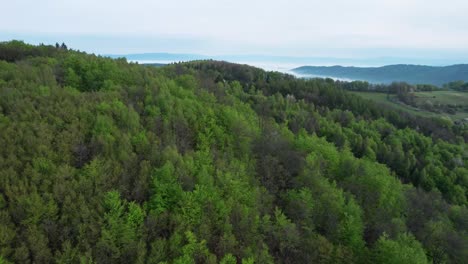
404,249
108,162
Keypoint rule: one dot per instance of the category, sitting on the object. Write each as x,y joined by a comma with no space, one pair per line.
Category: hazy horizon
369,58
359,29
276,62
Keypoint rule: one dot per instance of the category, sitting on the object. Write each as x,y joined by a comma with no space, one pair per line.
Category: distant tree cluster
457,86
393,88
104,161
62,46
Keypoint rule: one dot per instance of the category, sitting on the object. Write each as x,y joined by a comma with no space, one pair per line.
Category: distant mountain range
291,61
436,75
165,57
414,74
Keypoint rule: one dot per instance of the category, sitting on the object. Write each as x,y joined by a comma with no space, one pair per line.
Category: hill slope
103,161
414,74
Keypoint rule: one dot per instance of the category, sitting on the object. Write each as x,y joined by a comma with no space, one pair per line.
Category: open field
444,97
438,97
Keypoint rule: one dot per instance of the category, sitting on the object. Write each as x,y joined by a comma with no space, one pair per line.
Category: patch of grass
444,97
438,97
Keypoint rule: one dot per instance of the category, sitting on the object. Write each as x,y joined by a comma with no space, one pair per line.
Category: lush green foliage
458,86
209,162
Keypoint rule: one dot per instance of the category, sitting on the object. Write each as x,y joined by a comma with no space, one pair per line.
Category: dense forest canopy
105,161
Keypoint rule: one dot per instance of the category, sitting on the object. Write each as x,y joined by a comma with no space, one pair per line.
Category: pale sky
341,28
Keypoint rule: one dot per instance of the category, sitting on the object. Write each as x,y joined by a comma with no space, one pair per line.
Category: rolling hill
413,74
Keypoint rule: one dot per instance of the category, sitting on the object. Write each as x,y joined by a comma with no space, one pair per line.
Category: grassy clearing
444,97
439,97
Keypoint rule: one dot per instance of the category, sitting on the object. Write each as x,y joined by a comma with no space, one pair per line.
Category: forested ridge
105,161
414,74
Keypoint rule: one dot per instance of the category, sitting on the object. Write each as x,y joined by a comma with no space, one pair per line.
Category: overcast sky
341,28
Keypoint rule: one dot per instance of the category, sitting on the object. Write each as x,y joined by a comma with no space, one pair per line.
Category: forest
106,161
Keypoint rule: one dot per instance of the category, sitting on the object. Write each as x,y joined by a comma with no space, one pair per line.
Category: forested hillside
414,74
104,161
